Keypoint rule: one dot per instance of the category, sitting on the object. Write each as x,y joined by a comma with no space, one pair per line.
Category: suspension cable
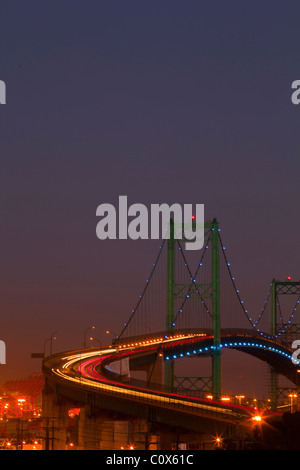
144,291
237,291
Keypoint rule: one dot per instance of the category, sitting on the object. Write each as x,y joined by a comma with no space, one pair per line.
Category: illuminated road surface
88,368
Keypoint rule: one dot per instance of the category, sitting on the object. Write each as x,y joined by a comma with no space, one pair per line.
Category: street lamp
292,395
240,398
52,337
46,340
108,332
218,440
257,418
95,339
85,331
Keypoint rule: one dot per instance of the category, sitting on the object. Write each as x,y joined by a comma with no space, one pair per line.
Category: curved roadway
89,370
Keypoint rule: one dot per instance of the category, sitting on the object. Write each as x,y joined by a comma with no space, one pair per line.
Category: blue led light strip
231,344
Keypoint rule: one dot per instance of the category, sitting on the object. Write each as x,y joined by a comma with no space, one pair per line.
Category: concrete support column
139,436
89,429
114,435
156,371
55,422
166,439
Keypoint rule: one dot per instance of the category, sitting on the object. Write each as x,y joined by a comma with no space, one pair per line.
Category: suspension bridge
175,298
186,309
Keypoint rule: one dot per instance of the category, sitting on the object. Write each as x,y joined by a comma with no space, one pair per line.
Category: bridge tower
287,331
212,290
170,297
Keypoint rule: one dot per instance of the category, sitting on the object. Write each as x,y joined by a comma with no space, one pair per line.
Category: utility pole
47,435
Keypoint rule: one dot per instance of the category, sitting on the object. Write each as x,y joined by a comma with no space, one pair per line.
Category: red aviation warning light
289,278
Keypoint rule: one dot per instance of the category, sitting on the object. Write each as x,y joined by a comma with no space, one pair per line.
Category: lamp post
85,331
109,332
51,339
46,340
95,339
292,396
240,397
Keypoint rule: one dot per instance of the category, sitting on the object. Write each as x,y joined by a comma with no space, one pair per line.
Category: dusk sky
172,101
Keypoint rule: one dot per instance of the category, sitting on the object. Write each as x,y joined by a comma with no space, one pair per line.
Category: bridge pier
139,435
102,431
166,439
155,369
89,429
55,420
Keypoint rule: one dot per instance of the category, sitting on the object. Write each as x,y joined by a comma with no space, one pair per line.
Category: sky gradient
186,102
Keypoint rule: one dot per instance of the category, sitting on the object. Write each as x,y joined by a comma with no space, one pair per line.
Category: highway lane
88,369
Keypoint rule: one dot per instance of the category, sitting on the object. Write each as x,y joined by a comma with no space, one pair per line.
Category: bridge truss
178,296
